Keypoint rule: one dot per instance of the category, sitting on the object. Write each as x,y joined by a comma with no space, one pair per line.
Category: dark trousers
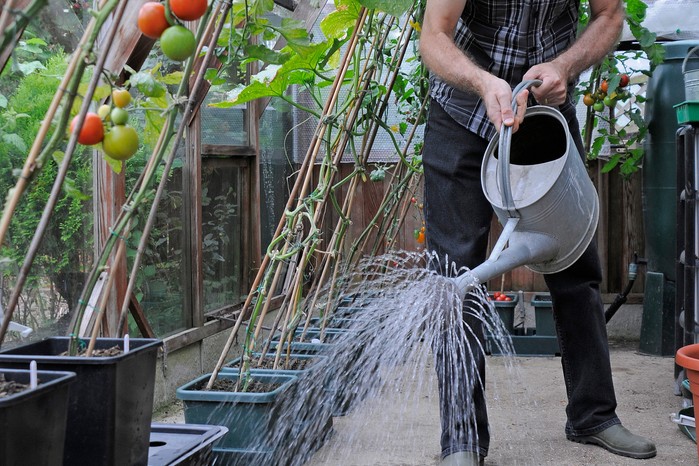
457,217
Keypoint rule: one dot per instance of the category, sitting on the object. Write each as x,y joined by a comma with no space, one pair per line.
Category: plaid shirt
506,38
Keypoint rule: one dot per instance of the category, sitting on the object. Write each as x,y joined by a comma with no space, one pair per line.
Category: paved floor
526,406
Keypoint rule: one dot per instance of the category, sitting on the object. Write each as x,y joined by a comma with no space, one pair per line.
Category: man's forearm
444,59
596,41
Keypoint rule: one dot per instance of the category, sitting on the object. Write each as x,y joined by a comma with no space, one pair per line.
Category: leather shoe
462,458
618,440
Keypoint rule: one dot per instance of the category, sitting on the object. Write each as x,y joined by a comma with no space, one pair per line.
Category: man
477,51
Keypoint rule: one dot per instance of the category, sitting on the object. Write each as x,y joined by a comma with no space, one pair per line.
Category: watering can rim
557,164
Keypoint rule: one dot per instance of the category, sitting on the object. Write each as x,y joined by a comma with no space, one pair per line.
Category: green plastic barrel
665,89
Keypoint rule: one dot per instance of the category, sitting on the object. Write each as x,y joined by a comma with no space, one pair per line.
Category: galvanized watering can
542,195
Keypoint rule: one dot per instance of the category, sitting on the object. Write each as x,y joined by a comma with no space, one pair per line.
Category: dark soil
10,387
294,364
98,353
228,385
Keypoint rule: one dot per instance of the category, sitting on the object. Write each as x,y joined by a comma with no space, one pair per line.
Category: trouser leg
457,217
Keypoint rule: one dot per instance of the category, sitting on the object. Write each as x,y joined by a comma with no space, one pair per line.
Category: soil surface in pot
98,353
10,387
229,385
267,362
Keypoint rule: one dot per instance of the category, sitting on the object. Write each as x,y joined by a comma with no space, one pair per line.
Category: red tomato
604,86
151,19
496,295
624,81
188,10
92,131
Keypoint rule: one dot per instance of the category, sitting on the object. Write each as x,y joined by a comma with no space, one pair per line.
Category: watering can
541,193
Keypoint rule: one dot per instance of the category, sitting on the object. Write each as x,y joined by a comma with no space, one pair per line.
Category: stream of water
398,315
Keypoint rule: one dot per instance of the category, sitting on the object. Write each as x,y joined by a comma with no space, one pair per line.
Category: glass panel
222,195
160,279
28,84
223,126
276,167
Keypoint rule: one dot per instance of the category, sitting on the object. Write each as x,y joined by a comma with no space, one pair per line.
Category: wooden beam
140,318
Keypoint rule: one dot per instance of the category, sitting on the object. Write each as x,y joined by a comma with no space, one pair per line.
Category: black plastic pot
33,422
183,444
111,402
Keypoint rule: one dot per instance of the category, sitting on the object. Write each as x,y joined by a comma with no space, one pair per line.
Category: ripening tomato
121,97
188,10
152,20
120,142
420,237
624,80
589,100
604,86
92,131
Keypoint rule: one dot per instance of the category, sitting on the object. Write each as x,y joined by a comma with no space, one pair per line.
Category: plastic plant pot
506,311
314,388
183,444
110,403
543,314
33,422
688,357
247,415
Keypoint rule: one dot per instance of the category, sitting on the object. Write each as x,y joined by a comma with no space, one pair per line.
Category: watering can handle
504,150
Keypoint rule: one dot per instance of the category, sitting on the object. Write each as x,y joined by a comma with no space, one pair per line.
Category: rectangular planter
183,444
33,422
543,315
314,396
506,311
111,403
247,415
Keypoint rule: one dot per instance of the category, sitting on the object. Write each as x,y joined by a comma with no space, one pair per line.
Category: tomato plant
178,43
92,131
188,10
152,20
120,142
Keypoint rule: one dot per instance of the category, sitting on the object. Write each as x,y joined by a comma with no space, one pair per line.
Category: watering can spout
525,248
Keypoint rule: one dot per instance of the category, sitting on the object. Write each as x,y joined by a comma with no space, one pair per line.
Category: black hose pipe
622,297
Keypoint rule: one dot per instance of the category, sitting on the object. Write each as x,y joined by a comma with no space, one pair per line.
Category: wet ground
527,417
526,409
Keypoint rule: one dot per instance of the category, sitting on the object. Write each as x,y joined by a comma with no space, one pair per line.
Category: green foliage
624,128
68,239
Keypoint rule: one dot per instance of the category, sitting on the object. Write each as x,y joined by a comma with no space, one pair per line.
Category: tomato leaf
115,165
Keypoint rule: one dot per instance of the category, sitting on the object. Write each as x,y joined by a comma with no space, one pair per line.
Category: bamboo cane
298,189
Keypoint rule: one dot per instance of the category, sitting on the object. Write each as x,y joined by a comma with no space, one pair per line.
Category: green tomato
120,142
119,116
598,106
178,43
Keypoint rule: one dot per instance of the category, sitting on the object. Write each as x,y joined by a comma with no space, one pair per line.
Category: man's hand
497,97
554,85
